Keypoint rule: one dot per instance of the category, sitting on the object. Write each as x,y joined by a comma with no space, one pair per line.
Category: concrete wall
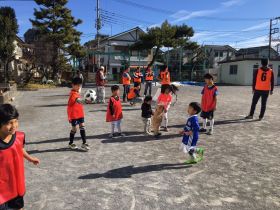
244,73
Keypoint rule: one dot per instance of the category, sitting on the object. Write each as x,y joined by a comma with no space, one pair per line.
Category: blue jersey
191,125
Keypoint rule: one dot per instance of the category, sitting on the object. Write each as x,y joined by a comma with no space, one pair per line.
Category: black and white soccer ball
90,96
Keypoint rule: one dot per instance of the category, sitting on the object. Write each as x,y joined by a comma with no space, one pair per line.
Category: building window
221,54
278,71
216,54
233,69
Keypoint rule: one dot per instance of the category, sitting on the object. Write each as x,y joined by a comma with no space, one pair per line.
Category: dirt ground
240,170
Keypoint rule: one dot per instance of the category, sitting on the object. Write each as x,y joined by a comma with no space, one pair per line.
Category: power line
153,9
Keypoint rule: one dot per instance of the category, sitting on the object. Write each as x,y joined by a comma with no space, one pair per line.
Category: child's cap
114,88
77,81
208,76
148,98
196,107
7,113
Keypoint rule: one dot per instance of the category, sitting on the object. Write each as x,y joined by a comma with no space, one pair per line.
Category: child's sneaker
202,130
112,135
73,146
191,161
165,129
121,134
85,147
210,132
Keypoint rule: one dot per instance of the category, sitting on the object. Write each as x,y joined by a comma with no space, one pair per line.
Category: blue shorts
76,122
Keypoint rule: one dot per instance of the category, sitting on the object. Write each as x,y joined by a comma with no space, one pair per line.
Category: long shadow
101,136
62,95
129,171
139,139
220,122
54,150
51,105
105,110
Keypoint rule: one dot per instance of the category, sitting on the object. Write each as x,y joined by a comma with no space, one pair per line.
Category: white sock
204,123
119,126
212,124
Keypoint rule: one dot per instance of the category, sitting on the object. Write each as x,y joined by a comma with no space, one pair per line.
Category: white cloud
255,42
231,3
183,15
256,27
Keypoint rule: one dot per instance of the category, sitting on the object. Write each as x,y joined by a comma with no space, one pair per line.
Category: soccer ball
90,96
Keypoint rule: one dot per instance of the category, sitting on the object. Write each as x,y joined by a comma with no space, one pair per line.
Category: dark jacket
147,111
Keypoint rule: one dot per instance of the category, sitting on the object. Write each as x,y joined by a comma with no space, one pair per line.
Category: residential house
114,53
256,52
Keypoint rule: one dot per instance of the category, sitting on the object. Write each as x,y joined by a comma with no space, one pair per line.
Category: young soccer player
76,116
208,103
114,112
165,98
147,113
191,134
12,154
157,119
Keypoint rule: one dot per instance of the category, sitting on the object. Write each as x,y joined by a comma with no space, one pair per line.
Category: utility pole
98,27
271,32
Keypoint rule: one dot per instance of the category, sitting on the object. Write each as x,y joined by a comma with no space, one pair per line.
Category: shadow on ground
66,149
139,139
128,171
220,122
101,136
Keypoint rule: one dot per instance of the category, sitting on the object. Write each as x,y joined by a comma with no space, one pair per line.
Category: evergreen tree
166,35
54,20
8,31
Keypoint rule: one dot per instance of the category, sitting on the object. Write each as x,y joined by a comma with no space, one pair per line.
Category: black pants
257,95
126,89
148,86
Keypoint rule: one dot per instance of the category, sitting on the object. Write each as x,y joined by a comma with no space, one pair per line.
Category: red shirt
12,182
75,110
114,109
208,102
165,99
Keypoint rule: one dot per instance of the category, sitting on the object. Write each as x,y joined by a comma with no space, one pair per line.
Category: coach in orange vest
126,79
263,84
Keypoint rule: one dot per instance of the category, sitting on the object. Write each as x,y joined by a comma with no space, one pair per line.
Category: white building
240,72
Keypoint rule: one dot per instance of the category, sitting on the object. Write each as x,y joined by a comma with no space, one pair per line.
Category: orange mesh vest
263,81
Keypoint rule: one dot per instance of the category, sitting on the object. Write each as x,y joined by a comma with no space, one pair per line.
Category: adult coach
100,85
126,83
149,77
263,85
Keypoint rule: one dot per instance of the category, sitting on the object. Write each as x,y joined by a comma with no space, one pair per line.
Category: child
157,119
126,79
208,103
12,153
191,134
147,113
114,112
134,96
165,98
75,112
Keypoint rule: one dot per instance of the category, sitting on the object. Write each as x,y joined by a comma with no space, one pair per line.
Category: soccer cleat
112,135
202,130
200,151
249,117
191,161
85,147
260,118
73,146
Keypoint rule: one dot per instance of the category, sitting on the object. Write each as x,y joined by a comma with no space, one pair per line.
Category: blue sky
240,23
